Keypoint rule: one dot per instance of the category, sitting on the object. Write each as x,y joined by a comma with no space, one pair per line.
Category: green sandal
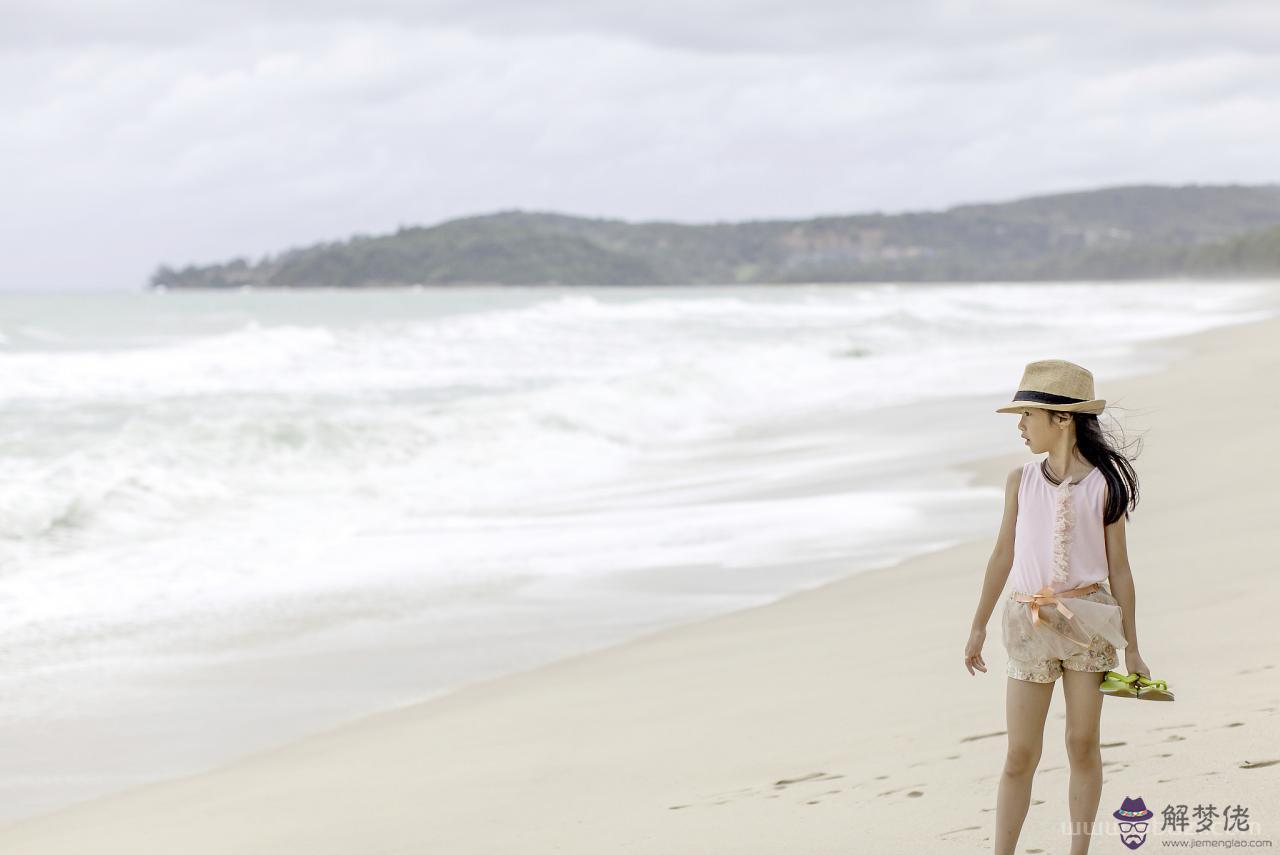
1153,690
1119,685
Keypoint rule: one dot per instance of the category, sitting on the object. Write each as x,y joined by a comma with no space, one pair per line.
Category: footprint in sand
812,776
984,735
958,830
934,760
1255,670
913,794
782,783
1034,802
779,786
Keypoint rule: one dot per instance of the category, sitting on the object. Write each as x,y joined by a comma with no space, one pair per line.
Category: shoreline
757,728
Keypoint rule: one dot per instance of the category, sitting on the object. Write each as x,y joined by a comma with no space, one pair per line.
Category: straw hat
1055,384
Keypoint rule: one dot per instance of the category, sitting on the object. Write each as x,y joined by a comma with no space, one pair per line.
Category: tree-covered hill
1113,233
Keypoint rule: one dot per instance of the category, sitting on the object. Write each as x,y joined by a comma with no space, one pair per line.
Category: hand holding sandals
1134,686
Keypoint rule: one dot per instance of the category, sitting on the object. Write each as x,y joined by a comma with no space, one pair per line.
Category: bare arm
1001,561
1122,582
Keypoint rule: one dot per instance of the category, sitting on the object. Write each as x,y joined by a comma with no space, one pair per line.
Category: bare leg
1084,711
1026,706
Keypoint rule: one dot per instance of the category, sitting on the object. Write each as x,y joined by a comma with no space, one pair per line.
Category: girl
1062,536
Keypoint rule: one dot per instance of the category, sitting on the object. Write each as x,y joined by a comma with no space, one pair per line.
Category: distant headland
1130,232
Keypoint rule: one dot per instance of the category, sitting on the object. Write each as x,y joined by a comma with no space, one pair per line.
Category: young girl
1062,536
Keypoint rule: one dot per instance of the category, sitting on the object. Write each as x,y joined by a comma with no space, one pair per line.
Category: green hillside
1112,233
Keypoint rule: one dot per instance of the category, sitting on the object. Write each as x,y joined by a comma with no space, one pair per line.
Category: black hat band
1045,397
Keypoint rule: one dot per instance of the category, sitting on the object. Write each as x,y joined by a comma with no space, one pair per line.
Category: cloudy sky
141,132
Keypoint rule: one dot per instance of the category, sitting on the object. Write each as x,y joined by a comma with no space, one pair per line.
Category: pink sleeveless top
1059,540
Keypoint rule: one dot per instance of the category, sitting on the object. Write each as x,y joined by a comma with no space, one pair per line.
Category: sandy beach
837,719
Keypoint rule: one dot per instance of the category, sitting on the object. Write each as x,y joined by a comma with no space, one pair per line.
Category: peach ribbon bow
1046,596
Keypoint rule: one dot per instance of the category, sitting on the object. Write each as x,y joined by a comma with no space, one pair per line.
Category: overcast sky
147,132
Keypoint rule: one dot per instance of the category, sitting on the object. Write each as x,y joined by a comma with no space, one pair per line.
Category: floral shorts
1099,656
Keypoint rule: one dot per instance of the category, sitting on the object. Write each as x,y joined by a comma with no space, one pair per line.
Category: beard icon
1133,817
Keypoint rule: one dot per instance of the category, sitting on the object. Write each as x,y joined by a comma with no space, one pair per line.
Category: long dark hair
1100,448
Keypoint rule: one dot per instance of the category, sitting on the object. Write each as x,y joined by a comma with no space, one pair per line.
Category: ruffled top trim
1064,520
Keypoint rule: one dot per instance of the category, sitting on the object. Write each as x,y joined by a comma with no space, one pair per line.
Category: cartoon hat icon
1133,810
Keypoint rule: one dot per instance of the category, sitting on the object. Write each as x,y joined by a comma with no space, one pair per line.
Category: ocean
231,519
